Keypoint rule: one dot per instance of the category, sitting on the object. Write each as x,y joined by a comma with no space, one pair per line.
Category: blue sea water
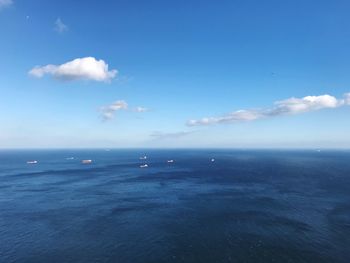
247,206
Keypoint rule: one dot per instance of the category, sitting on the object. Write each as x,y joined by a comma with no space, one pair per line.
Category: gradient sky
178,61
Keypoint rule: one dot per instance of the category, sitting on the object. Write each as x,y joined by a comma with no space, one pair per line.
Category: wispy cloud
5,3
87,68
347,98
289,106
170,135
140,109
60,27
108,112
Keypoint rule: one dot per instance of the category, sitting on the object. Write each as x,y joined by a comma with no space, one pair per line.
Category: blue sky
180,74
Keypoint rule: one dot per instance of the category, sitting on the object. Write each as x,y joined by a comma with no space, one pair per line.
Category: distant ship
170,161
86,161
70,158
143,165
32,162
143,157
212,160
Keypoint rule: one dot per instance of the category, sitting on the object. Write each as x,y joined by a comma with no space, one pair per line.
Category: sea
207,206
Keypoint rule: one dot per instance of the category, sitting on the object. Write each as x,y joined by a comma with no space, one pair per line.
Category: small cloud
5,3
87,68
108,112
170,135
140,109
289,106
60,27
347,98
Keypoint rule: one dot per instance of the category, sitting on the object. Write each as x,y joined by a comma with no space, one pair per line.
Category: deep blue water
247,206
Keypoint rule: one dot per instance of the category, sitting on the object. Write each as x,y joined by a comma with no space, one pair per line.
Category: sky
174,74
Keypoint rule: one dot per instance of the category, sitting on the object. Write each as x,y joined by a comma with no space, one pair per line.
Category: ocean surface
246,206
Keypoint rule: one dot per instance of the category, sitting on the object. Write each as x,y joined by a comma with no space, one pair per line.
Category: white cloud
308,103
108,112
347,98
140,109
87,68
60,27
284,107
240,115
5,3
